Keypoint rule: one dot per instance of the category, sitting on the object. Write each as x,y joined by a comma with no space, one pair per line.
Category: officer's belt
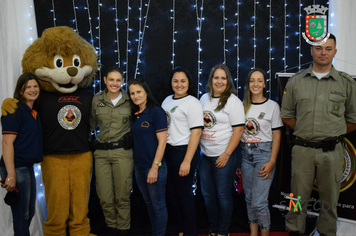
327,144
110,145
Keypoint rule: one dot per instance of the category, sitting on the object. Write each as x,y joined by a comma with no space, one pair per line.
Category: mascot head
61,60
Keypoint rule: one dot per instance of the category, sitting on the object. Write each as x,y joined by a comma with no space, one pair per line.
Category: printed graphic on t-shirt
209,120
252,127
69,99
208,135
168,118
174,109
69,117
262,114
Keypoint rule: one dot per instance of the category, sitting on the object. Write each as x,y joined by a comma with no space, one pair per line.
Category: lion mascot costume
65,64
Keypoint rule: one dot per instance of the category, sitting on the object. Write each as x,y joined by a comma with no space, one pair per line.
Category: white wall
342,23
17,31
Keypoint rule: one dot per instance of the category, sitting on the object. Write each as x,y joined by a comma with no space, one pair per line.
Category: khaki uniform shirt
321,107
114,121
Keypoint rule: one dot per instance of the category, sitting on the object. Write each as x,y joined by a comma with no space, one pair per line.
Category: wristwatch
157,163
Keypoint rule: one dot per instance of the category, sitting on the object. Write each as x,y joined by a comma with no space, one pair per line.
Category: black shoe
111,231
123,232
294,234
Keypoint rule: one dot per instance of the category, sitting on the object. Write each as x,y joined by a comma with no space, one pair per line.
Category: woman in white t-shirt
260,144
185,122
224,122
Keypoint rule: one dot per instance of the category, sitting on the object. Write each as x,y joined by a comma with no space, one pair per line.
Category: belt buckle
114,145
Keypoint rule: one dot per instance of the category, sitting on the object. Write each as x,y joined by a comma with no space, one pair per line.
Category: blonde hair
247,94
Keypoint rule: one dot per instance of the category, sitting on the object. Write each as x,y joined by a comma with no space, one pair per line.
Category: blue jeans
180,199
217,186
155,197
254,156
24,210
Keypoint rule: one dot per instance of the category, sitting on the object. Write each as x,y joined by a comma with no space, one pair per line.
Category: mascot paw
9,106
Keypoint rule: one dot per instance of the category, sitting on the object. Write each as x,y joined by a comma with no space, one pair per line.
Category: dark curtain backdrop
156,59
156,54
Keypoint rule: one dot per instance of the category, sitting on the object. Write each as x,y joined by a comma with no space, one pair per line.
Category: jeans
155,197
180,198
254,156
217,186
24,210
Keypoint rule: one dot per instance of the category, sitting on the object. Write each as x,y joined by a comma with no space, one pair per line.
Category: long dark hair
247,96
151,101
229,87
189,77
21,87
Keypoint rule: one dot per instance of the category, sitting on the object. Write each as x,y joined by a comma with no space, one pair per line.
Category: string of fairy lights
89,22
142,26
299,47
75,16
254,33
270,58
53,14
200,19
224,19
117,41
173,17
141,35
237,24
98,48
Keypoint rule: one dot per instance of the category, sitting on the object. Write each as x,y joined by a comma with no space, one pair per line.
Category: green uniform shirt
114,121
321,107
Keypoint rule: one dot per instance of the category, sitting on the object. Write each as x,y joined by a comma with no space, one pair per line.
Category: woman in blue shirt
22,147
149,130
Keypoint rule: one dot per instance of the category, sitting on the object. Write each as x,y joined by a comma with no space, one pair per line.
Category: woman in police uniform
113,156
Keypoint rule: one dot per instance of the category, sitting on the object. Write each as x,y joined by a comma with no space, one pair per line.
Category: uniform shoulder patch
347,76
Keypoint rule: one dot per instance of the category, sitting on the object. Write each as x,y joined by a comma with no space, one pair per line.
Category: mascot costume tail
65,64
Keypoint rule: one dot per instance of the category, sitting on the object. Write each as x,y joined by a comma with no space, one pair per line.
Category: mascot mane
61,59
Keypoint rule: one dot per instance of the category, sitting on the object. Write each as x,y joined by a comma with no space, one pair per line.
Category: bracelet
10,178
227,154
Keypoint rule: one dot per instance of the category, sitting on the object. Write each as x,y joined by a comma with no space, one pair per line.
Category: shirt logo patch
174,109
209,119
124,120
101,104
252,127
69,117
145,124
262,114
336,108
